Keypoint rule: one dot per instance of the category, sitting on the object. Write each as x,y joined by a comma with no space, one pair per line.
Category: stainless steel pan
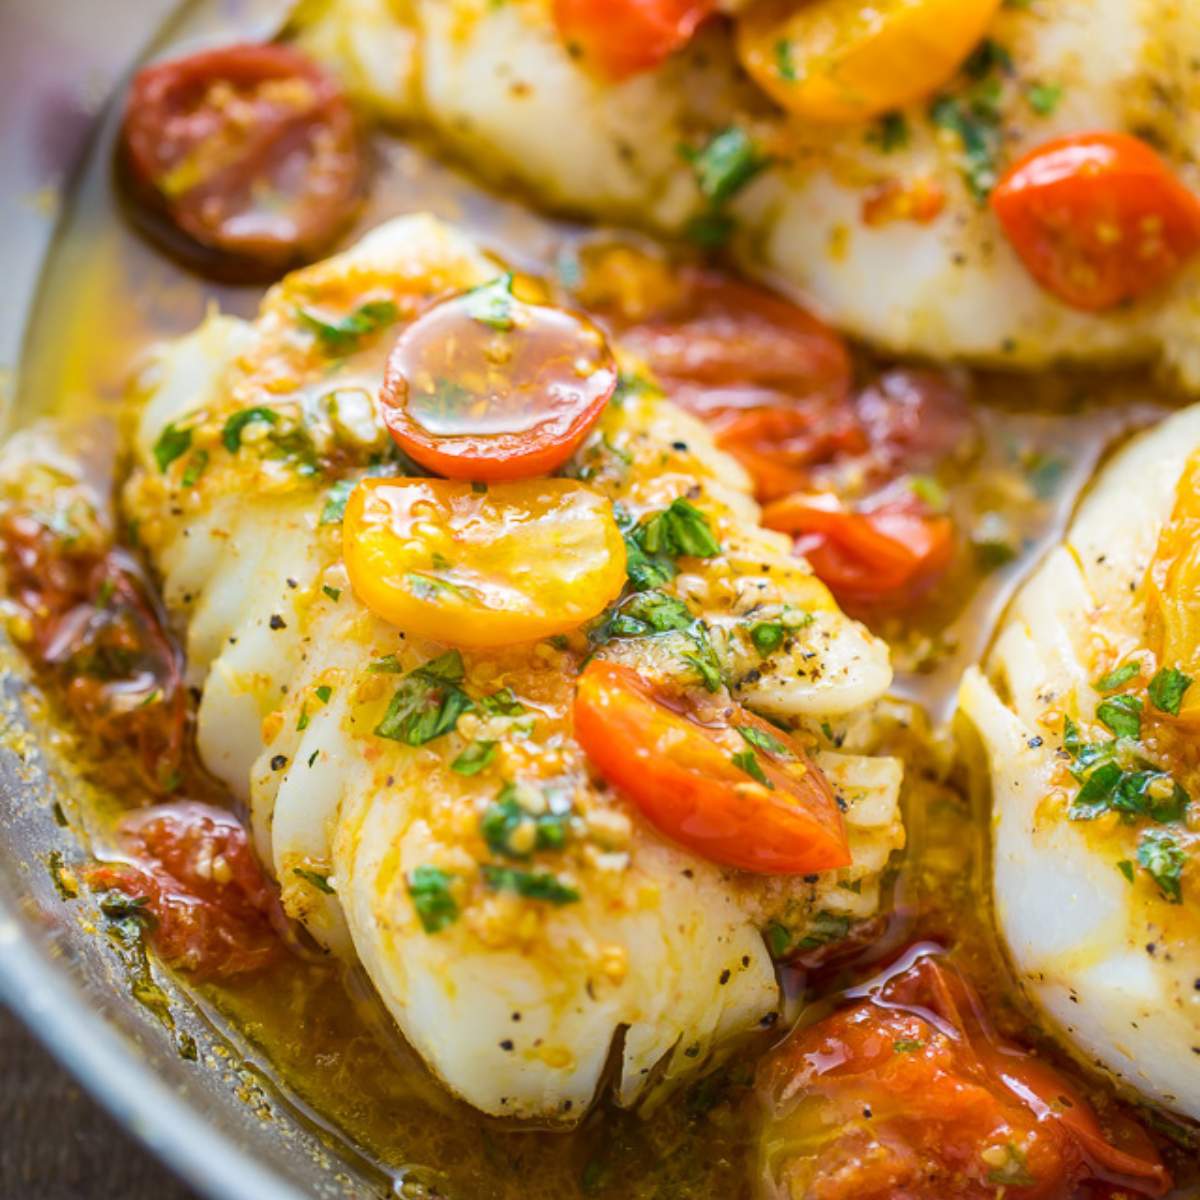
214,1120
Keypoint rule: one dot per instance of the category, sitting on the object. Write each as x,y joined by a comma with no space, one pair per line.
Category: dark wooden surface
56,1143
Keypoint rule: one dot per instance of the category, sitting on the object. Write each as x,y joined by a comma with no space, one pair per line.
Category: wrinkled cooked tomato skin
624,37
676,766
214,912
251,152
98,627
908,1095
1098,218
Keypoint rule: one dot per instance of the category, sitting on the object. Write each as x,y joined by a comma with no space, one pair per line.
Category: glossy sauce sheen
368,1089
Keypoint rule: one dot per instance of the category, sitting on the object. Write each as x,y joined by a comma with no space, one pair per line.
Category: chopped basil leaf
747,760
533,885
477,756
231,432
977,127
1122,714
302,723
767,637
389,664
778,938
760,739
335,502
324,692
889,133
196,466
320,882
825,927
1117,678
785,63
340,335
509,830
1044,97
335,594
681,529
491,304
502,704
172,443
724,166
1126,869
907,1045
709,231
428,702
645,570
1167,689
1160,853
429,888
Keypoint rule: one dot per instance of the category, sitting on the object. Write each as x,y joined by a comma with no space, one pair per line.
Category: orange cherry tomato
486,386
514,563
771,380
251,152
685,769
908,1093
880,557
1097,218
840,61
624,37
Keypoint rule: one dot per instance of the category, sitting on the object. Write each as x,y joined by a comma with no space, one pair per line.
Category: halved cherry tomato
98,627
908,1093
624,37
1097,218
486,386
838,61
684,768
212,909
771,379
251,151
877,557
513,563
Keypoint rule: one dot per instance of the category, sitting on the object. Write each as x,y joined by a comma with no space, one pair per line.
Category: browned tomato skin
524,403
214,914
98,628
205,138
919,1099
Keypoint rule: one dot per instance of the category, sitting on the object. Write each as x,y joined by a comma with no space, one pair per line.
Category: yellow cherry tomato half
473,567
839,61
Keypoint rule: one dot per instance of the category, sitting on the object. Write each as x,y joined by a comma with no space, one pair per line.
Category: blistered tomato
482,567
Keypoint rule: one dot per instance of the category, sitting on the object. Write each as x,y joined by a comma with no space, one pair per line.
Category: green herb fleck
1013,1171
335,502
194,469
1160,853
1167,689
681,529
491,304
172,443
779,938
476,757
324,692
725,164
889,133
533,885
1122,714
1126,869
429,888
319,881
977,127
785,63
908,1046
762,739
825,927
335,594
1044,97
428,702
340,335
747,760
231,432
1118,678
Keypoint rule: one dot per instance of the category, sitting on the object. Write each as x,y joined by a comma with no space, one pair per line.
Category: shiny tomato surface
251,152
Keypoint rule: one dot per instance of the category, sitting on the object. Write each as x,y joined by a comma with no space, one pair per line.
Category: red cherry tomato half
250,151
908,1092
882,557
485,386
771,380
687,771
1097,218
624,37
191,867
